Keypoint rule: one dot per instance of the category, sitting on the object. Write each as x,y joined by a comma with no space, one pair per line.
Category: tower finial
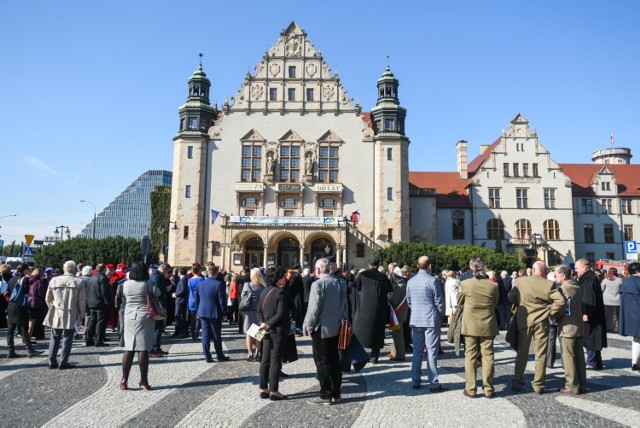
200,55
388,62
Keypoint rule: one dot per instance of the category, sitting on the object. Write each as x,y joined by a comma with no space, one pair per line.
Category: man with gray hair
67,300
327,308
159,279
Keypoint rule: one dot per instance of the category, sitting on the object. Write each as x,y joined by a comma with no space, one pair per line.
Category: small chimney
461,151
483,147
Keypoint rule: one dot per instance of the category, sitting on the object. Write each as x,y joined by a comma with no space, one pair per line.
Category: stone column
265,254
301,258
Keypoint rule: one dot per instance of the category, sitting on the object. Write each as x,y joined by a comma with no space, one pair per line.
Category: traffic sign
38,243
145,245
631,247
28,252
28,239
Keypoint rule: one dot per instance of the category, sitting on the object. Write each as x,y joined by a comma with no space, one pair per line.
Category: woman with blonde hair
451,289
254,288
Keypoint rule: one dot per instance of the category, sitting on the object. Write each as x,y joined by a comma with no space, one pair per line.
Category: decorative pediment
330,137
605,171
520,128
252,136
291,136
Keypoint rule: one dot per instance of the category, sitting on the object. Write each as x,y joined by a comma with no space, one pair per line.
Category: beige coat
536,299
67,299
571,324
479,297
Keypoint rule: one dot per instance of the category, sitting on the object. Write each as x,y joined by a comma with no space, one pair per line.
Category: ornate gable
330,137
252,137
292,76
520,128
291,136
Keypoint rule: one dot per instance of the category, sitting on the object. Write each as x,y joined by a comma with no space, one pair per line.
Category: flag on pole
355,217
214,215
612,140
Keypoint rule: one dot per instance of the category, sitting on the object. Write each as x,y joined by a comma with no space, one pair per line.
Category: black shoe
635,367
12,354
439,388
223,358
416,386
210,360
101,345
66,367
33,353
408,349
90,344
274,397
283,374
53,366
264,395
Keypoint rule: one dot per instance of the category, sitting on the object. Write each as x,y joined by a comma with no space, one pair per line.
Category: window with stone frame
551,230
591,257
534,169
523,228
586,206
625,206
588,233
289,163
608,233
495,229
606,203
555,258
249,204
628,232
328,163
549,198
494,197
457,225
522,198
251,162
505,169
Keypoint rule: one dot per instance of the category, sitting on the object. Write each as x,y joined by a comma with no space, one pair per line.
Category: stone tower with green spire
190,148
391,163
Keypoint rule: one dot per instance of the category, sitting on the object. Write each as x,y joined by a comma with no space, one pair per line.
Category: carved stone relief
312,69
328,92
274,69
256,92
293,47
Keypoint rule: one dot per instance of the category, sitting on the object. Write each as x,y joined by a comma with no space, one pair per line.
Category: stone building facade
294,168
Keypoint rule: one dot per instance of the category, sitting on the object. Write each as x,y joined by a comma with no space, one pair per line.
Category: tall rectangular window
628,232
505,169
587,206
185,232
289,163
457,228
328,163
534,169
591,257
309,94
522,198
608,234
389,124
525,169
251,162
606,185
516,170
390,234
187,191
190,152
389,193
291,94
588,233
389,153
292,71
494,197
606,205
549,198
193,122
625,206
273,94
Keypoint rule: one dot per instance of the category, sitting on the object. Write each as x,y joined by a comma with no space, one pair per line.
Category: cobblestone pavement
188,392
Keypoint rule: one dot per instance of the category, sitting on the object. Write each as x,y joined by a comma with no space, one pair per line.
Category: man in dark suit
211,307
99,301
504,307
182,297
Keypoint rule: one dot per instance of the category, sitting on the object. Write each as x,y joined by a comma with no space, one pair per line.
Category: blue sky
90,90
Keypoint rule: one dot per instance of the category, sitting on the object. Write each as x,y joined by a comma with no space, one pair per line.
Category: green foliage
451,257
160,211
90,251
13,249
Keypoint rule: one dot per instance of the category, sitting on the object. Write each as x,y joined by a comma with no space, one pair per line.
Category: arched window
327,203
495,229
457,224
523,228
551,229
250,202
288,202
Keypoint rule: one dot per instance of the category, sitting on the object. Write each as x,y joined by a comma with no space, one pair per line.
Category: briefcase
345,335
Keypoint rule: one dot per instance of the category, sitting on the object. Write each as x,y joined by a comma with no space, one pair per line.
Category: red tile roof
366,118
450,189
475,164
583,175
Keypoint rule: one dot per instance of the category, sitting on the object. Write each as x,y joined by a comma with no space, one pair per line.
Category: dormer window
606,185
193,122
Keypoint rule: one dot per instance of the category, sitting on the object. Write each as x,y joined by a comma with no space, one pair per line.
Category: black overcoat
595,330
370,312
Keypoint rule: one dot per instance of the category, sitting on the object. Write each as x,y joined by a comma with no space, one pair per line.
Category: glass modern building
129,214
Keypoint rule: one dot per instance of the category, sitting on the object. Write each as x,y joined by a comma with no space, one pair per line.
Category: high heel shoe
123,385
144,385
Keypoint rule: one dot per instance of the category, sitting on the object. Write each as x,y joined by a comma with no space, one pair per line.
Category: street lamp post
165,245
95,211
8,215
60,230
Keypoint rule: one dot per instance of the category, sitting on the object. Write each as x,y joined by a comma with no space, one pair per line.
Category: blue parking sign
631,247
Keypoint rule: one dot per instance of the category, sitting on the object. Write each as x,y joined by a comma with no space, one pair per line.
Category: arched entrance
288,252
322,247
254,252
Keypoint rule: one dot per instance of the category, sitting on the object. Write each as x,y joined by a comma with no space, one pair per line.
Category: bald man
537,300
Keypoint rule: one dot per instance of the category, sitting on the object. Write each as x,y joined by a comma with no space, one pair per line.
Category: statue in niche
271,163
308,164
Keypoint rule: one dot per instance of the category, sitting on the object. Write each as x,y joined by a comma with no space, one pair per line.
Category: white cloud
43,166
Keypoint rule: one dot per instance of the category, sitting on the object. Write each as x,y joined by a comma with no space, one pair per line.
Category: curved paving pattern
187,392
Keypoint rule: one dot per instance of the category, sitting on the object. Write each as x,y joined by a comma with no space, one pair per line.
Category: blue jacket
425,297
193,289
211,299
629,323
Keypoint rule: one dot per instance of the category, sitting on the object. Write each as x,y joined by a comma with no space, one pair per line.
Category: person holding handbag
253,288
138,328
273,315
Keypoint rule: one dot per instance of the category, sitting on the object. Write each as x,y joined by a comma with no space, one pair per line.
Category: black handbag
246,301
512,332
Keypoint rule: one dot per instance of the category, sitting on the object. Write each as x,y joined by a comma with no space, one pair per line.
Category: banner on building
279,221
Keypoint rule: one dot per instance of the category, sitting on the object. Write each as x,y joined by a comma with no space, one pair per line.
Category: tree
449,257
90,251
160,211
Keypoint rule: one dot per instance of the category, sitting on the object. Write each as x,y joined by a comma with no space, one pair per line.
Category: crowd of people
577,306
